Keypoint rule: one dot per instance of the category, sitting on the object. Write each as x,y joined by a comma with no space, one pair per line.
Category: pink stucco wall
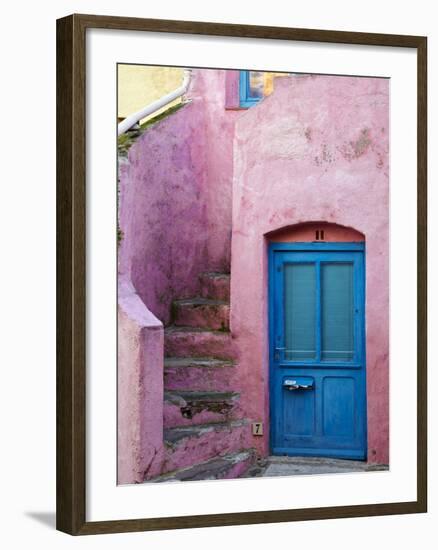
210,87
175,197
210,185
315,150
139,388
163,210
175,191
232,94
306,232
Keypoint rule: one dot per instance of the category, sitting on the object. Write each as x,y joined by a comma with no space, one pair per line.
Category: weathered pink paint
215,440
139,389
198,343
212,375
209,86
215,286
232,95
163,211
175,198
202,313
313,155
173,417
306,232
316,150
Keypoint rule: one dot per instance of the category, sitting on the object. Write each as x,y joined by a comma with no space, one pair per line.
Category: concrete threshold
275,466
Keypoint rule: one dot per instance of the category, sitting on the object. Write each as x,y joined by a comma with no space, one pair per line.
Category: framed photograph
241,274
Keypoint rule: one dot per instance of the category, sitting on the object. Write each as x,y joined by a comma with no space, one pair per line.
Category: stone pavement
274,466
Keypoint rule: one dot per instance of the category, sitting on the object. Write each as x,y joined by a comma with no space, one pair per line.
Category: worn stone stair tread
189,395
184,398
215,274
191,341
173,436
171,329
199,374
209,469
199,301
201,362
215,285
202,312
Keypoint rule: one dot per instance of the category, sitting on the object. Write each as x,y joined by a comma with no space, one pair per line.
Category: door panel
299,311
337,312
317,332
338,406
299,413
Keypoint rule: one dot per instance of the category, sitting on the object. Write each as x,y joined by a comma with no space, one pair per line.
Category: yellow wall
269,81
139,85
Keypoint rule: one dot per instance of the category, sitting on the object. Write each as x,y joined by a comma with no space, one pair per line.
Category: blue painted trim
277,255
318,312
245,100
322,365
364,347
272,415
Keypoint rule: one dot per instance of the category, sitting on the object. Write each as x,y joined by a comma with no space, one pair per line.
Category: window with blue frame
255,85
250,87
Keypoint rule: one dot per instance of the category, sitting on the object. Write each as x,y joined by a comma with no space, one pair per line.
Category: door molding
300,369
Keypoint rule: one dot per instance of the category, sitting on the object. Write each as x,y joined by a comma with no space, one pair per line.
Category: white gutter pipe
152,107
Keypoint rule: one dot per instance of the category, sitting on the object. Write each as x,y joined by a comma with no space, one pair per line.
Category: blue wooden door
317,349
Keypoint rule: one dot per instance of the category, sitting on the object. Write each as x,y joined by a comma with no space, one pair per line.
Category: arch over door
316,232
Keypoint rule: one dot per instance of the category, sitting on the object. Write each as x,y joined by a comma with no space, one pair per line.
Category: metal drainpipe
152,107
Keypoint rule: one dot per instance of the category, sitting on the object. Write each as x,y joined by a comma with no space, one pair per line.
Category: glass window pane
337,312
261,83
299,311
255,84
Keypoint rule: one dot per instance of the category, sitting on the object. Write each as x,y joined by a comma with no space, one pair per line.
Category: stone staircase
205,433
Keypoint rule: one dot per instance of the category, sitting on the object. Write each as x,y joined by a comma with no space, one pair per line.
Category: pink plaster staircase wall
205,433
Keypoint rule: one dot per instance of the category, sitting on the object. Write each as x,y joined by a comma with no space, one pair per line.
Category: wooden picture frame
71,273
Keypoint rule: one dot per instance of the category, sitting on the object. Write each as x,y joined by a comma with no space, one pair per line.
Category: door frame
312,246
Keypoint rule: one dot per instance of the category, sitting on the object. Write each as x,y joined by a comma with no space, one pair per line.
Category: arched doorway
317,341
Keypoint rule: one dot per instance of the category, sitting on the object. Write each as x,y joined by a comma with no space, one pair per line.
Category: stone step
215,286
198,373
189,408
202,312
191,445
196,342
229,466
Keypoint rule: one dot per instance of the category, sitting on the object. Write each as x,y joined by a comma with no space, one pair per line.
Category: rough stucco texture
315,150
175,198
163,212
140,389
210,87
